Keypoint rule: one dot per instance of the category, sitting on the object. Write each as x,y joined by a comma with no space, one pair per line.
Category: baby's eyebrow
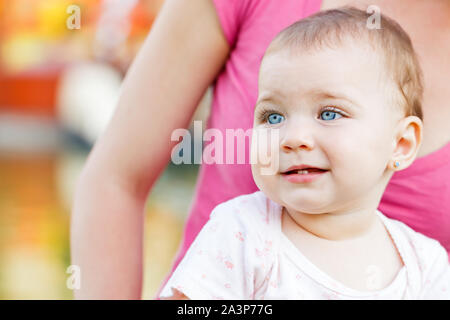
273,97
323,94
263,100
277,97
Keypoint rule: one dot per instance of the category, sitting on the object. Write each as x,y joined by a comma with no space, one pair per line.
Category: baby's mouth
303,170
303,174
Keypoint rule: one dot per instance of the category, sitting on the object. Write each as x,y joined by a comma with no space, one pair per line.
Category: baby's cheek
268,184
359,171
378,150
349,160
265,153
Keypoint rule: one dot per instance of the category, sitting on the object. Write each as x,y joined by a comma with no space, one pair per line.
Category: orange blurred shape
141,19
32,92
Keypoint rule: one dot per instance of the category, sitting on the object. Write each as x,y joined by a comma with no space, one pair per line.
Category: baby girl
344,101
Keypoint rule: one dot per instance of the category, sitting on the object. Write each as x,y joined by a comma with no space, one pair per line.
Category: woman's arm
181,57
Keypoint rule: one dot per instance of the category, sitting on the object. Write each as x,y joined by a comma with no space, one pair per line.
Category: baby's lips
294,169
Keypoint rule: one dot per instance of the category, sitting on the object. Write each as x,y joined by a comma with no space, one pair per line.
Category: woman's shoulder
237,16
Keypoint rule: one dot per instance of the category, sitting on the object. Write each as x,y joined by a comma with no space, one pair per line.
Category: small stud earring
396,164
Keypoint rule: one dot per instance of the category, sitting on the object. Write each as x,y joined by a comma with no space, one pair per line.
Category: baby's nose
297,137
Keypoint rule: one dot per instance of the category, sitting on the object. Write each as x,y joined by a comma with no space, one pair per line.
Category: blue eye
275,118
330,115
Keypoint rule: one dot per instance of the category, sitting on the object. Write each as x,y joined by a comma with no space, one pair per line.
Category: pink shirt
418,195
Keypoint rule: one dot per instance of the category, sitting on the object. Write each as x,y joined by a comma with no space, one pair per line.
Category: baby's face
333,111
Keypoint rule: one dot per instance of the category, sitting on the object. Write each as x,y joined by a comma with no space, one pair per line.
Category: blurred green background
50,116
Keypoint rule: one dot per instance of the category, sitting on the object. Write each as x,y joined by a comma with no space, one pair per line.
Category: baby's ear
409,132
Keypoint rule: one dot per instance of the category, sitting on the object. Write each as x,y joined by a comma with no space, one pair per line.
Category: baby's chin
306,200
305,208
312,204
